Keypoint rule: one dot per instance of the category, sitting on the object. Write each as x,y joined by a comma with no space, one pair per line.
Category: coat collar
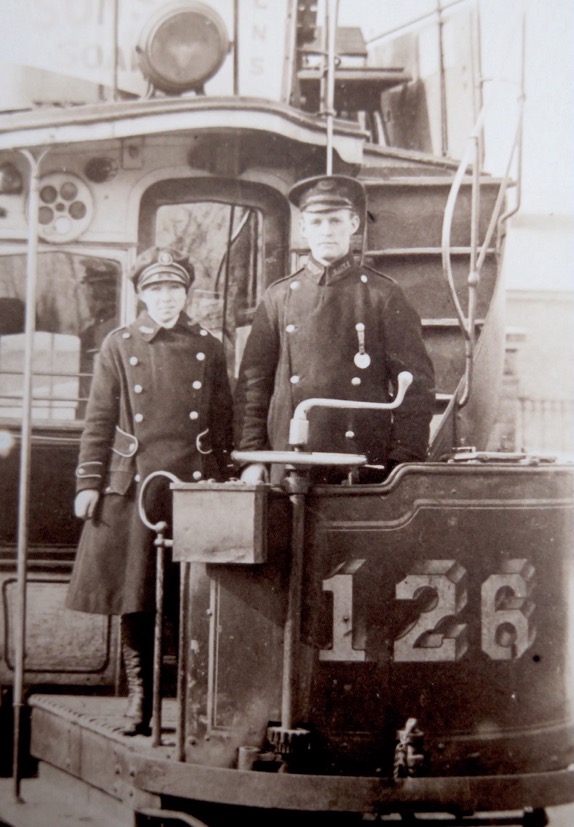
327,274
147,329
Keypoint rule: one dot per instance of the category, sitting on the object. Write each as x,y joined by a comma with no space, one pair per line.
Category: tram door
236,236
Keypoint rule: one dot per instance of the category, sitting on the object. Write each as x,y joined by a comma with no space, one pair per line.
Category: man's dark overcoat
160,400
303,344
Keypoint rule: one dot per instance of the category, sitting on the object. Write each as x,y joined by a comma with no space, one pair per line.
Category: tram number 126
437,634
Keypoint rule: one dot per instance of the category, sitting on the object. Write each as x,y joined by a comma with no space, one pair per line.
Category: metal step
422,280
403,213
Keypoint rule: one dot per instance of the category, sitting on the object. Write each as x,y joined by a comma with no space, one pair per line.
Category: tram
346,653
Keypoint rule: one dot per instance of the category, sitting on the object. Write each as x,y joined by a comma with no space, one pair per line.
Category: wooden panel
459,608
411,215
446,349
422,280
58,641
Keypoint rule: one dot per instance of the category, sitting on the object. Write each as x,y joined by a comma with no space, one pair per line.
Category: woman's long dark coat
160,400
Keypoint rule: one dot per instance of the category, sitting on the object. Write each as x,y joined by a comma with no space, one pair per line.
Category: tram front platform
91,775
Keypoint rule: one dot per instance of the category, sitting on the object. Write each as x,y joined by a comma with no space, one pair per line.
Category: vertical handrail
25,461
236,47
331,16
161,543
442,83
115,46
183,659
519,127
160,561
472,156
292,628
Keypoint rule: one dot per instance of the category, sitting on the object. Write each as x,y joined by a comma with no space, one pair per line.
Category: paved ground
39,811
561,816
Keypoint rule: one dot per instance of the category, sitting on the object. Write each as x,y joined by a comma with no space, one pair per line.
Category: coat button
138,417
294,380
203,332
359,327
350,434
196,385
134,360
355,380
81,472
138,389
197,475
126,335
193,415
290,328
137,478
364,279
294,285
200,356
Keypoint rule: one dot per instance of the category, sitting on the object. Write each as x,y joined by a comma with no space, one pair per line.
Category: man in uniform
101,282
334,329
160,400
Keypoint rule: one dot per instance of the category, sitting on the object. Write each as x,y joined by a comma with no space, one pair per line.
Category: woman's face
164,300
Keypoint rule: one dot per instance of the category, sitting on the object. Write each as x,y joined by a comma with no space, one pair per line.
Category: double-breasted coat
160,400
306,334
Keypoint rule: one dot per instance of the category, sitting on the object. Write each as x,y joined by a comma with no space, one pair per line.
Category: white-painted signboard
76,38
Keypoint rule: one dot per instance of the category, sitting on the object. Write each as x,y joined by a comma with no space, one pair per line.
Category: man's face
164,300
329,233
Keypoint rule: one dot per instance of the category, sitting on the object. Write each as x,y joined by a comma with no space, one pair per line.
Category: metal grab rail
161,543
299,425
472,157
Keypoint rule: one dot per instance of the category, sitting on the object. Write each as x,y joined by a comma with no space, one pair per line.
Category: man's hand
85,503
256,472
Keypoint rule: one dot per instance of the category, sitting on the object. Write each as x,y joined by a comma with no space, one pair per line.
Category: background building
459,54
474,44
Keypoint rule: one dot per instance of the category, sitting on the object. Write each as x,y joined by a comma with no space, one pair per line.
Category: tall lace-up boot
137,656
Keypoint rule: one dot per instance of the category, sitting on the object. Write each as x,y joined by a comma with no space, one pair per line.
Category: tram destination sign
75,38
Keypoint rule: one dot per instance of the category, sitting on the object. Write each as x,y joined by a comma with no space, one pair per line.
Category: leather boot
137,656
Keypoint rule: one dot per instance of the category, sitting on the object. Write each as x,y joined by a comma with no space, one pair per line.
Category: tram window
225,243
77,304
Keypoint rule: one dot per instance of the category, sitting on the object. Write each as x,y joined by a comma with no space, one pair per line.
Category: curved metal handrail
471,157
161,525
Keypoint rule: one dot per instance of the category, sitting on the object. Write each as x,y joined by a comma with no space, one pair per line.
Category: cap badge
325,185
165,258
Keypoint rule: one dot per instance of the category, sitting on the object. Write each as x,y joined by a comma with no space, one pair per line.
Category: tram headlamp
182,46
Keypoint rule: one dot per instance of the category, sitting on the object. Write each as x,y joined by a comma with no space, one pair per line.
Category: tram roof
126,119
